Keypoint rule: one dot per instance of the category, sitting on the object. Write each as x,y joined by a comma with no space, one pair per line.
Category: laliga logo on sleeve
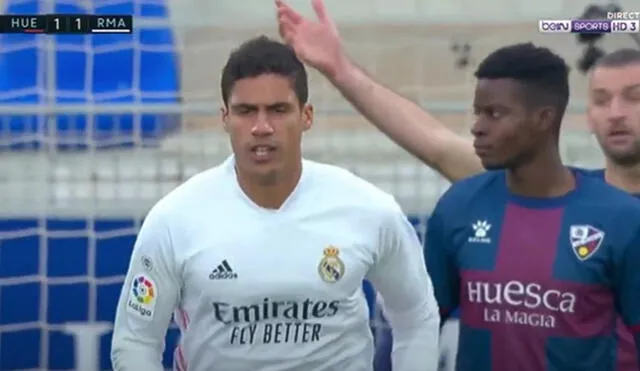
585,240
142,297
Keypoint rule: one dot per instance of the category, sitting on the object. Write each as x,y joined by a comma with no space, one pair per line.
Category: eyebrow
630,87
243,105
269,106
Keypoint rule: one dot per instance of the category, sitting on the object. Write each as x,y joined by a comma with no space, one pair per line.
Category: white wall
226,12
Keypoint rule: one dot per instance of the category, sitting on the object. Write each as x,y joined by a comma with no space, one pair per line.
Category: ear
307,116
224,116
547,118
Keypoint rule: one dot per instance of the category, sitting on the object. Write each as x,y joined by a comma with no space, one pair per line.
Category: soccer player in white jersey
261,259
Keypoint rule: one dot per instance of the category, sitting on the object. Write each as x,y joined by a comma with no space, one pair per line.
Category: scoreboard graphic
66,24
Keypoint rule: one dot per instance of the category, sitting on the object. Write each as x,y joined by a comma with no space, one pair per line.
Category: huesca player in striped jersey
593,332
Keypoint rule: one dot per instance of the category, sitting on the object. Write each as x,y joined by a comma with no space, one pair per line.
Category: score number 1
71,24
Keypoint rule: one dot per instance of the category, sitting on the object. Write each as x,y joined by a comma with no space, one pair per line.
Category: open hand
316,42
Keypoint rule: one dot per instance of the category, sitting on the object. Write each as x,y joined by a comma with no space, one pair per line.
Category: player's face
614,112
265,122
503,135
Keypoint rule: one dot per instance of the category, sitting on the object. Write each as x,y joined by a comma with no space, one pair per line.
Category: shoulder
186,197
600,193
617,208
611,201
597,173
469,187
461,193
344,188
345,185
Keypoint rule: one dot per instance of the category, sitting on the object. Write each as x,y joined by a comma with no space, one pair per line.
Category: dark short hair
259,56
619,58
543,74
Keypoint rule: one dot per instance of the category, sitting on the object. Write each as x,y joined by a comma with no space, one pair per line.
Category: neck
626,178
543,177
269,192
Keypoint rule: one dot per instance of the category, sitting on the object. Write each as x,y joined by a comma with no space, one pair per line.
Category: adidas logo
223,272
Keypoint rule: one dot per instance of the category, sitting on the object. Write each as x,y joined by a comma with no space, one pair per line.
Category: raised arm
318,44
148,298
400,276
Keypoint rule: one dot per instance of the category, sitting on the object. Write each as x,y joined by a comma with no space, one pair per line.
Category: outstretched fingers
320,10
285,23
286,32
285,12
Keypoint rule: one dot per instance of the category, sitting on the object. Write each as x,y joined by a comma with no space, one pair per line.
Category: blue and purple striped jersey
540,282
626,353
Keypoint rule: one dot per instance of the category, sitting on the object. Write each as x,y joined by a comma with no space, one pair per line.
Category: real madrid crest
331,267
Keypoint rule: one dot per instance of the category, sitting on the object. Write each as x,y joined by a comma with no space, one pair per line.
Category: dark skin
522,138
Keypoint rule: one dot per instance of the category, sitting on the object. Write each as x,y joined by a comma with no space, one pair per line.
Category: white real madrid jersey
256,289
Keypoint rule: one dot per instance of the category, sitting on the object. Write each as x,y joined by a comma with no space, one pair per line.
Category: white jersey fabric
275,290
449,336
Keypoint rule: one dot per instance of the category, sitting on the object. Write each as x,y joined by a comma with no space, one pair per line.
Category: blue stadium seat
98,69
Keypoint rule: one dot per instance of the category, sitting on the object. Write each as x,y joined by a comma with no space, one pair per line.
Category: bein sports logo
555,25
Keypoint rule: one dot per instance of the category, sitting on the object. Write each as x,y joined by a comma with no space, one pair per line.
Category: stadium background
94,129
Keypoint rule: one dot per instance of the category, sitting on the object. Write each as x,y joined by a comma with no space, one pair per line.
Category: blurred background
95,129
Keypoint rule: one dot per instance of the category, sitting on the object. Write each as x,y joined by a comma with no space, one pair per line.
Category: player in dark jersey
415,129
614,117
540,258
